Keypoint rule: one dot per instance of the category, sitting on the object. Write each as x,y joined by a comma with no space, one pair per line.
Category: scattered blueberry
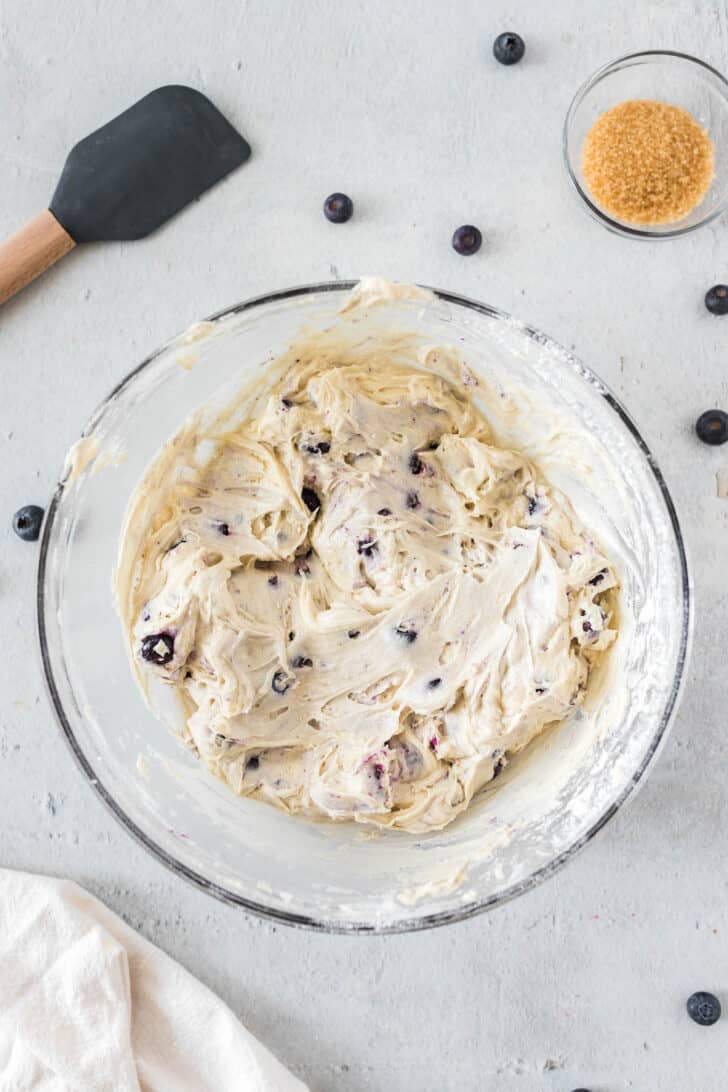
413,501
27,522
366,546
286,403
253,763
302,661
712,426
542,689
509,47
223,528
500,765
353,633
703,1008
291,636
433,684
716,299
378,770
323,447
281,682
415,463
405,631
586,626
273,580
384,512
338,208
151,651
532,505
310,499
598,578
467,240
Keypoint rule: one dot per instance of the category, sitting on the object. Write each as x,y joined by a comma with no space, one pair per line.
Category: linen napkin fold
88,1005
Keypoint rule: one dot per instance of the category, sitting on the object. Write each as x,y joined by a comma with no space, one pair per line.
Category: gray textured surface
583,981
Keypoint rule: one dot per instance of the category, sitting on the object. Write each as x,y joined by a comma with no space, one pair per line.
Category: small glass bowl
675,78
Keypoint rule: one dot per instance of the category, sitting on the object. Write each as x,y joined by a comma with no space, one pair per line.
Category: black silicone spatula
127,179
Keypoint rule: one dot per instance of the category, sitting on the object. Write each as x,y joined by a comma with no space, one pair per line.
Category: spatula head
132,175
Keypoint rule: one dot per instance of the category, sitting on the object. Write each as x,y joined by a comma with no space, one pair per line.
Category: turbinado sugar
647,162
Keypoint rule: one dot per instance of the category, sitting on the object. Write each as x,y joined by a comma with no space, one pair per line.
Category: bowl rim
438,918
594,210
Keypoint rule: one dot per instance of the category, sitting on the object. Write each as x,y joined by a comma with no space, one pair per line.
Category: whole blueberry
467,240
509,47
27,522
310,498
703,1008
712,426
338,208
158,648
716,299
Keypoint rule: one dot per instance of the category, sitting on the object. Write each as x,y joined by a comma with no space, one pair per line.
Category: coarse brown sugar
647,162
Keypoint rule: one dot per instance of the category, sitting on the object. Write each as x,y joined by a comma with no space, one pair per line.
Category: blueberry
433,684
407,632
338,208
354,633
310,499
598,578
321,448
223,528
27,522
499,767
712,426
509,47
366,546
273,580
384,512
286,403
253,763
532,505
281,682
415,463
302,661
412,501
152,652
467,240
703,1008
716,299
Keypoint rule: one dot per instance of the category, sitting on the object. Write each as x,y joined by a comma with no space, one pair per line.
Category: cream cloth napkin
87,1005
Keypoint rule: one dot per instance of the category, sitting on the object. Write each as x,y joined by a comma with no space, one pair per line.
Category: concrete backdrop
583,981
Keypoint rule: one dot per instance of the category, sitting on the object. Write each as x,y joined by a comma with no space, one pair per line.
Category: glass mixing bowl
549,802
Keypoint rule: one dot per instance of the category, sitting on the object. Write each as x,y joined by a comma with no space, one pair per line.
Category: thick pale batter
364,602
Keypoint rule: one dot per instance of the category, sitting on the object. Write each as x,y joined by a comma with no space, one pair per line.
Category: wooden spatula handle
27,253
